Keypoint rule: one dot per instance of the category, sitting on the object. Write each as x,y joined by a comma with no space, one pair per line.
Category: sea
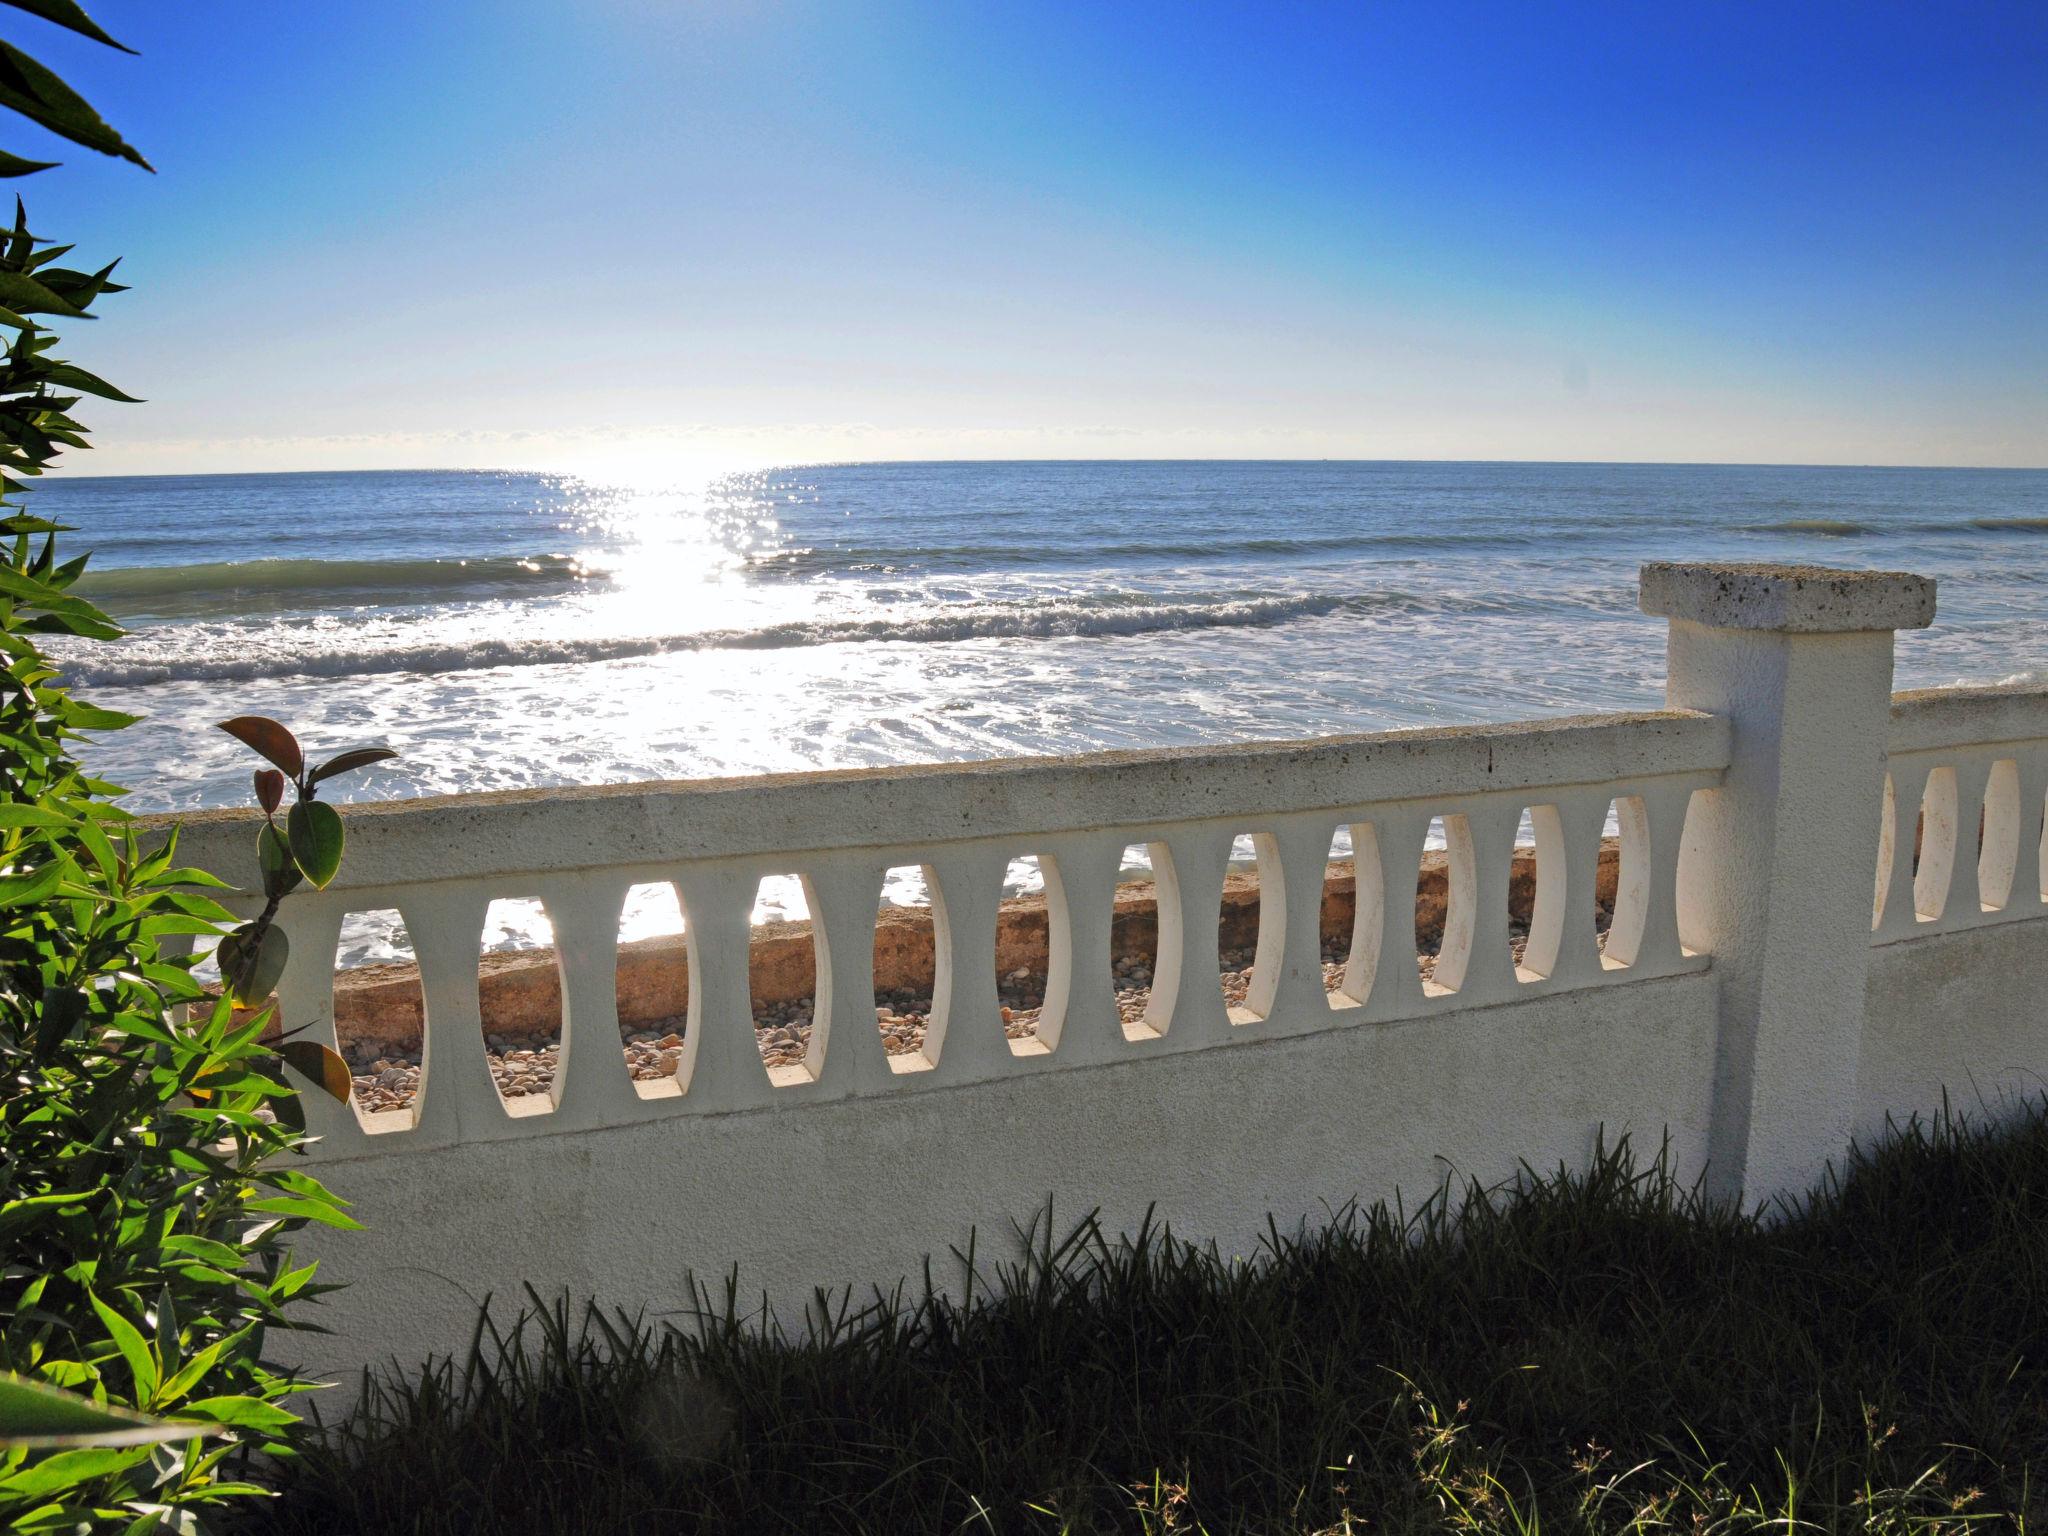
518,630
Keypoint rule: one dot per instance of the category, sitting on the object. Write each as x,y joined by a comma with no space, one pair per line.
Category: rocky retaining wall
521,992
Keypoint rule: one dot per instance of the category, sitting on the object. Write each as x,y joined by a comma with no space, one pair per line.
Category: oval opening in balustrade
906,965
2041,849
1026,938
519,996
653,988
1887,851
1144,923
380,1018
1998,836
1351,915
1446,886
1621,888
782,980
1536,893
1249,936
1935,850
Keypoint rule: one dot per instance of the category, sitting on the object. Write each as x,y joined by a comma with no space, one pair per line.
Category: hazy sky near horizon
651,237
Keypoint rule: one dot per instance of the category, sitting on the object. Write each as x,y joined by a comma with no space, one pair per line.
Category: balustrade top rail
1928,718
480,836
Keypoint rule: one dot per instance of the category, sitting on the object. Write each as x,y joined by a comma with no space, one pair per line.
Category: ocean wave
1828,527
215,586
1058,550
2010,524
162,657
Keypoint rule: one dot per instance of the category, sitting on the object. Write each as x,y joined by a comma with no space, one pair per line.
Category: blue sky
649,236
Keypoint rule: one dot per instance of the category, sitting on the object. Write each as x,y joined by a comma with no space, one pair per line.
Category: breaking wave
170,655
2010,524
222,585
1827,527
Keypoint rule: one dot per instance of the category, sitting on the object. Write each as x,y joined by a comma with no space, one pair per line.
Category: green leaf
316,839
195,1369
204,1248
242,1412
62,1008
345,762
63,1473
274,857
133,1346
67,13
71,376
21,815
14,165
27,295
194,876
320,1066
37,1416
251,962
35,886
16,1213
90,717
270,739
306,1210
41,97
94,837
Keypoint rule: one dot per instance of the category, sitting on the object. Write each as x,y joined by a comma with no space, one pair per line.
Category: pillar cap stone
1788,599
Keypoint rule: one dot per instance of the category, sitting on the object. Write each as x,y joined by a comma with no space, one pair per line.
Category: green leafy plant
38,1417
147,1197
307,847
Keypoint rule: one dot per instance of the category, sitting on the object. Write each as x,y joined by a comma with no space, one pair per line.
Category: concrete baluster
457,1098
592,1086
720,1067
1079,1022
1489,970
1188,924
305,1011
964,1037
1287,971
1397,986
1659,949
845,893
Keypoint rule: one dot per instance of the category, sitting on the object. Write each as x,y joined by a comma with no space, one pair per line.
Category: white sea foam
219,653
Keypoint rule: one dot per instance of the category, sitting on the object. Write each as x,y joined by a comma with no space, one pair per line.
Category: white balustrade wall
1747,1008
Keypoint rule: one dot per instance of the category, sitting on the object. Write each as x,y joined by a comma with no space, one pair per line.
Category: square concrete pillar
1774,878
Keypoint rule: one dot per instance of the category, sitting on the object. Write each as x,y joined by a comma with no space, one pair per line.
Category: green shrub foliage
147,1192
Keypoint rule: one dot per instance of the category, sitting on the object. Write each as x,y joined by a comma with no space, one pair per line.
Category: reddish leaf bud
269,789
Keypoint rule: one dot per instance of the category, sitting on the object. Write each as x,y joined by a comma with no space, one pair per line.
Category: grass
1579,1352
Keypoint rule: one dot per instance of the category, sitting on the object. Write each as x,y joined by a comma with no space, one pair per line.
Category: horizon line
66,473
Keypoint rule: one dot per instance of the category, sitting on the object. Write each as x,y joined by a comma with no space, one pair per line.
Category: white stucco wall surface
860,1192
1963,1014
